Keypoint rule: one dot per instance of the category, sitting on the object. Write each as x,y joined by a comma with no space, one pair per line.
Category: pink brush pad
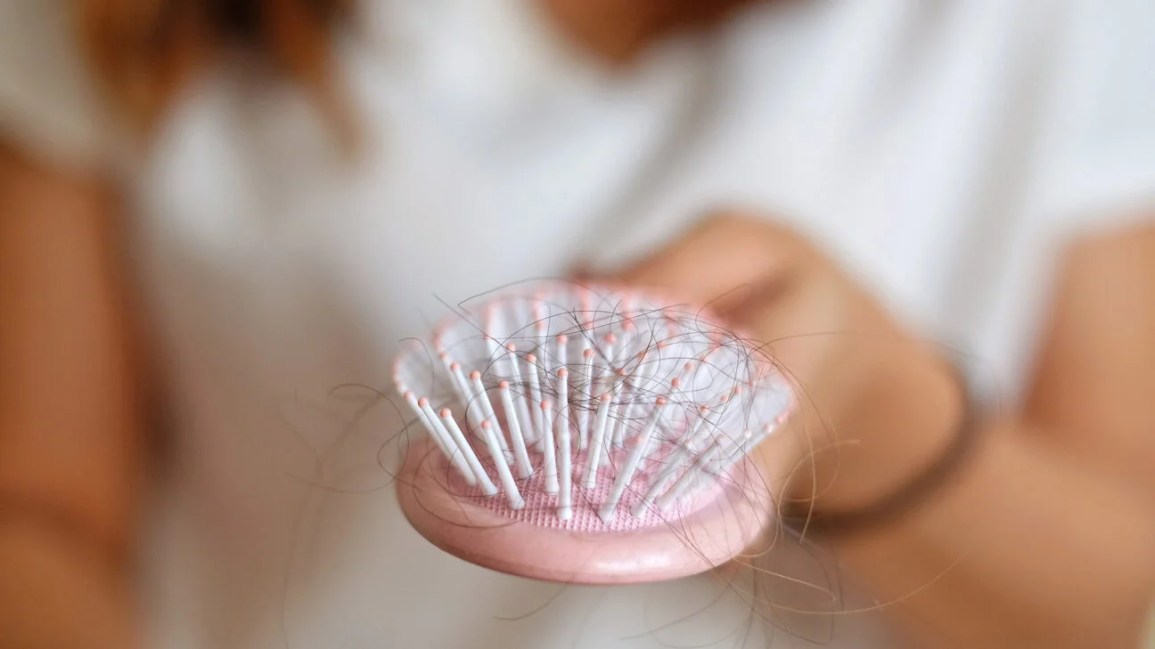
688,537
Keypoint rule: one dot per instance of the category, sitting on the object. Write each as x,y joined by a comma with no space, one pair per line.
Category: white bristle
525,419
742,447
480,394
540,316
650,409
503,472
606,375
610,341
491,327
513,419
444,443
599,441
690,478
562,355
449,365
564,448
535,397
626,474
465,392
586,307
452,430
549,459
622,400
636,394
584,413
675,461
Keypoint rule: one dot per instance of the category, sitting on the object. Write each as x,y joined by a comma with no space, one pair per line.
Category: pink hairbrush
588,435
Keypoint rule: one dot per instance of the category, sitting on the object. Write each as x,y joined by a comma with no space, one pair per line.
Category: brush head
589,435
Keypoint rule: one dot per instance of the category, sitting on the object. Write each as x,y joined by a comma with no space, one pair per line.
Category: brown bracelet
906,497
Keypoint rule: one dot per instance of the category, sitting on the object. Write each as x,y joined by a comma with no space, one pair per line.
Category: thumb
720,261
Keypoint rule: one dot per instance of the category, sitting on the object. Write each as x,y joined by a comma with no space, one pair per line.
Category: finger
720,262
852,368
798,323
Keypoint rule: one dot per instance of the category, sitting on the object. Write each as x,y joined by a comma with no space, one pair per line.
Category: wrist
900,418
56,592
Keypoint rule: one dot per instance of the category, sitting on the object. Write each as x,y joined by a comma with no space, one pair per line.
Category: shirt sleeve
1097,139
49,106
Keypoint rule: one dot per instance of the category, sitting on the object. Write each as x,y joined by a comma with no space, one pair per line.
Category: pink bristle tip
620,375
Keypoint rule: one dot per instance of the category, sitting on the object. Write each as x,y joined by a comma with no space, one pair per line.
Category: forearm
1036,541
1026,547
1091,391
1026,544
71,412
58,592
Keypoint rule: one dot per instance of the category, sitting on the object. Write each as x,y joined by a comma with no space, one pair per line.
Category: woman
231,209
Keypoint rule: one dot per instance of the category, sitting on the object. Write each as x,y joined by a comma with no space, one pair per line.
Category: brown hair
145,50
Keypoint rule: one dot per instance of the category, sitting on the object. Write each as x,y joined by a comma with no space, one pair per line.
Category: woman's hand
1037,542
876,405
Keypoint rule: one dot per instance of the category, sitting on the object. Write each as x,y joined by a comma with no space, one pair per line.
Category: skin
618,31
1046,532
1044,537
71,445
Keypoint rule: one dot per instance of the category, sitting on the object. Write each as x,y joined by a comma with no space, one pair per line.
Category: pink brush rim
710,537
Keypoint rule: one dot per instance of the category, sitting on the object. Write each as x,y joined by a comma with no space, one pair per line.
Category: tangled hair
144,51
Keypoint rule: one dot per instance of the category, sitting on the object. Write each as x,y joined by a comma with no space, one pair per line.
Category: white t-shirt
941,151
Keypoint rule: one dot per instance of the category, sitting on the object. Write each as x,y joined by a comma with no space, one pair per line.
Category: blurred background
220,217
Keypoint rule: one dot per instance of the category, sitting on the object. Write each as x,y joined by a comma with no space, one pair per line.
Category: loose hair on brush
646,401
788,586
